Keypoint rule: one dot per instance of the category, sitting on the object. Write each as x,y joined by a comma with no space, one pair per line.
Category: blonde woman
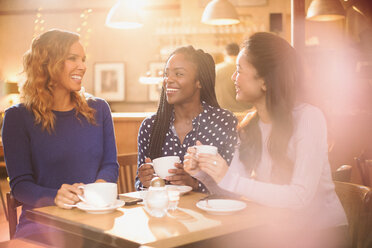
57,138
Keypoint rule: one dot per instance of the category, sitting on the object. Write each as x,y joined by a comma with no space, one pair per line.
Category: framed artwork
156,70
109,81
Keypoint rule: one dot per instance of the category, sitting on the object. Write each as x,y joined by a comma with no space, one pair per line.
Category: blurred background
125,64
128,41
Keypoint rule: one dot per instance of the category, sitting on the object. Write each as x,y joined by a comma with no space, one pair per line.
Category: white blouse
311,191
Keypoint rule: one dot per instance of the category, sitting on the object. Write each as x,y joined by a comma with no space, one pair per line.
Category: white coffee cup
163,164
99,194
206,149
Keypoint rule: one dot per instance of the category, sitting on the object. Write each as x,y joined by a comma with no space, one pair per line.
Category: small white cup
206,149
99,194
163,164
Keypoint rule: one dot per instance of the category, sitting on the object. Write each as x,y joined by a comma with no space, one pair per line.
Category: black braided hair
206,75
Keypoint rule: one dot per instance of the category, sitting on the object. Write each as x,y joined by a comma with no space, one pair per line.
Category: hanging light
364,7
325,10
124,15
220,12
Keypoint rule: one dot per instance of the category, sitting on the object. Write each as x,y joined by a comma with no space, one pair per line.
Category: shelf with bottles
175,26
211,43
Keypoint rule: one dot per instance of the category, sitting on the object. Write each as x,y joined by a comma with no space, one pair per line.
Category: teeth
172,90
76,77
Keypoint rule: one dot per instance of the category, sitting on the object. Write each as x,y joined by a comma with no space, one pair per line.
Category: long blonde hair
43,65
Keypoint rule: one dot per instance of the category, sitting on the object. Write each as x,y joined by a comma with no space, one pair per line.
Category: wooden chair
343,173
357,202
127,172
2,166
12,205
364,166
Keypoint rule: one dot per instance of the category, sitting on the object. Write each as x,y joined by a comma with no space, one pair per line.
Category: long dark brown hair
205,74
278,64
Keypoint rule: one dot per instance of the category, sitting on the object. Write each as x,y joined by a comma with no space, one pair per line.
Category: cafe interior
127,43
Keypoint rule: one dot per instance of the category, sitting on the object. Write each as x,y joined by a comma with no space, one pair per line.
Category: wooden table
131,226
17,243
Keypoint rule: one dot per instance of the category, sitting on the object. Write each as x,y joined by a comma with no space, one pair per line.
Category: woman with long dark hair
188,111
282,159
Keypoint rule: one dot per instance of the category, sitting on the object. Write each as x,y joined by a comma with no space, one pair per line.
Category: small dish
104,210
183,189
221,206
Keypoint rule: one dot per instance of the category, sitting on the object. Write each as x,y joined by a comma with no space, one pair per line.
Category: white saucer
103,210
221,206
136,194
183,189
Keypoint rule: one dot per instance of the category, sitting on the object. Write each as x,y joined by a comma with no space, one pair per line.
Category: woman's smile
171,91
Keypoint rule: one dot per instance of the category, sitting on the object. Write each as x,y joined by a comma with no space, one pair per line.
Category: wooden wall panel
126,130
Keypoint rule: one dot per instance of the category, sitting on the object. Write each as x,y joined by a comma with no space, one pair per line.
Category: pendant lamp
325,10
220,12
124,15
364,7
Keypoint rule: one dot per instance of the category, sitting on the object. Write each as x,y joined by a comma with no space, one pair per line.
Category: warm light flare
12,79
151,80
357,10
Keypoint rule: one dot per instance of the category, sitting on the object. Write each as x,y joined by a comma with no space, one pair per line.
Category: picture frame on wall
109,81
156,70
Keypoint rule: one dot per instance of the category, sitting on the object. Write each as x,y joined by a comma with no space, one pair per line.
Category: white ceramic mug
206,149
99,194
163,164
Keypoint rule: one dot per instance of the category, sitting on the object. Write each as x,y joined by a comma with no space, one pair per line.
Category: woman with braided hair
188,112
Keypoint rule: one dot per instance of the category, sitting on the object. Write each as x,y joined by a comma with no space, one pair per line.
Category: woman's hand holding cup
67,195
213,165
190,162
146,173
181,177
205,158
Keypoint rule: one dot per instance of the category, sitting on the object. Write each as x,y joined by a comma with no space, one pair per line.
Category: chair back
357,202
343,173
3,203
127,172
12,205
364,166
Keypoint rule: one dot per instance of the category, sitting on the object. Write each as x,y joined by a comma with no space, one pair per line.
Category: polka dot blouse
213,126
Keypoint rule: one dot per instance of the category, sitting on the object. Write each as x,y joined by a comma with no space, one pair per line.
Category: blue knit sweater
38,163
